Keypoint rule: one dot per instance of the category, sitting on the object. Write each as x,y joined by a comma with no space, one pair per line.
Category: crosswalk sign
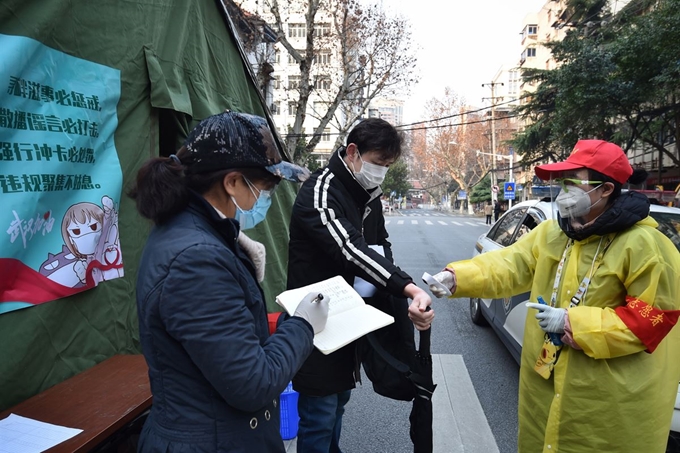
509,190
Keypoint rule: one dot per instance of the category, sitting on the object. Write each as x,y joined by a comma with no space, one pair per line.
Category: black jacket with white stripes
333,223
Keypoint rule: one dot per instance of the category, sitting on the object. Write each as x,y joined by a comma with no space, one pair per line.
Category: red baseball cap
604,157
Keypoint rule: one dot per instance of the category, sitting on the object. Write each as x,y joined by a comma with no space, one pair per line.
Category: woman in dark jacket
216,373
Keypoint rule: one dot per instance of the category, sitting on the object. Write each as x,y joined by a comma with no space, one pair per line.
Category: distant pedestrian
488,210
496,211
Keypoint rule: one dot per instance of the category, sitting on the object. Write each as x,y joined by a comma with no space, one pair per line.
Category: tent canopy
179,63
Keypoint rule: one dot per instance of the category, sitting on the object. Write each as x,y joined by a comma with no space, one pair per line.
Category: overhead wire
433,120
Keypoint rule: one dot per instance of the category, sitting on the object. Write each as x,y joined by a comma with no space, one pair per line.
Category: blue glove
550,319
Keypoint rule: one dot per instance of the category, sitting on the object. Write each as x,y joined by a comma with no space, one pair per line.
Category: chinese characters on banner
60,178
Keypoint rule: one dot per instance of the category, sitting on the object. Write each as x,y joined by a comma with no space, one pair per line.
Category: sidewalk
459,421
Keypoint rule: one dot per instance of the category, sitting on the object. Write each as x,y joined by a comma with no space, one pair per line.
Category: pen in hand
318,298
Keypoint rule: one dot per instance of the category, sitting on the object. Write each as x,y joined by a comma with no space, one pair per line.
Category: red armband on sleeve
273,320
648,323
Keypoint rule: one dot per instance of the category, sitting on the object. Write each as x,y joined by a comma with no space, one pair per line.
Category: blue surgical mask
251,217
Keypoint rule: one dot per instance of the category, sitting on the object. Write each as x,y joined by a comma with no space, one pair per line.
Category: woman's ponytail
160,191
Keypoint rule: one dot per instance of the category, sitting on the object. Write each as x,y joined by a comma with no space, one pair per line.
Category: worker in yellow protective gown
600,358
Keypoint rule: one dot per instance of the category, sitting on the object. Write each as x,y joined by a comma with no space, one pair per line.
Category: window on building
292,108
293,82
530,31
277,56
297,31
276,82
320,108
373,113
322,29
326,135
529,52
323,83
291,59
276,108
513,82
323,57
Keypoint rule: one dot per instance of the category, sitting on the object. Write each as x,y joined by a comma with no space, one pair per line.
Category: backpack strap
417,379
386,356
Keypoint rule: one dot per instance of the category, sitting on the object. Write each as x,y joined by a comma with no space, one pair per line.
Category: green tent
179,62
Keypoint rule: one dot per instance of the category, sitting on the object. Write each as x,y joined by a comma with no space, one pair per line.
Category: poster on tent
60,178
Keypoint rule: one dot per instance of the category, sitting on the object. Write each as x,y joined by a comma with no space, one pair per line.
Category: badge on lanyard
547,357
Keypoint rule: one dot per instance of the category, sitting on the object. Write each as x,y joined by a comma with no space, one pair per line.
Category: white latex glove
314,312
447,279
550,319
257,253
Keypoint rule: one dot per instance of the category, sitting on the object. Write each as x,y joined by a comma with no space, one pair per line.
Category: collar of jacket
340,170
227,228
627,210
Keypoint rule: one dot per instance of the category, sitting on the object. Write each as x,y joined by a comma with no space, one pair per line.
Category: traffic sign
494,189
509,190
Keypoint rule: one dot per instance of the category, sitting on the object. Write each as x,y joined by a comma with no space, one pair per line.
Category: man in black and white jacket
336,216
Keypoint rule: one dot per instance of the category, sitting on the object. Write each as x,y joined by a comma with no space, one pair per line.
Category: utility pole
493,98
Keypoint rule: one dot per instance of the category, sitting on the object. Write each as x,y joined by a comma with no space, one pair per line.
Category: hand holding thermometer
554,337
431,281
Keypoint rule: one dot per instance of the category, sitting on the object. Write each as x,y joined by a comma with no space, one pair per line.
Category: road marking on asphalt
387,222
428,222
414,222
470,223
456,223
459,423
443,223
401,222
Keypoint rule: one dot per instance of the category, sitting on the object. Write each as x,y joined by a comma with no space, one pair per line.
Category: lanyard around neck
583,287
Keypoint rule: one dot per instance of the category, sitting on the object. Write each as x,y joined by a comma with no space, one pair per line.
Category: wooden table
100,401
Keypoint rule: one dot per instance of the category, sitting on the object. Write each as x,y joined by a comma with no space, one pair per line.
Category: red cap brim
544,171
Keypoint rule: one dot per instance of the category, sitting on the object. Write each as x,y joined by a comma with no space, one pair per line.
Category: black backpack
388,355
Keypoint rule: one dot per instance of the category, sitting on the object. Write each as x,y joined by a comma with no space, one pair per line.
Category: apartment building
281,92
391,110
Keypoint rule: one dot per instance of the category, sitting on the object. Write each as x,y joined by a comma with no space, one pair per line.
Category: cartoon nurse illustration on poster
91,251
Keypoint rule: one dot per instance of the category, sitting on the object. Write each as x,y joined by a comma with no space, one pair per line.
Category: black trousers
488,219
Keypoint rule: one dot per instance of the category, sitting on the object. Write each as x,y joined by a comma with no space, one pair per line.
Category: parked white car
507,316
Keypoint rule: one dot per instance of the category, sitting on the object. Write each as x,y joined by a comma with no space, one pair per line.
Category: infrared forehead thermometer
430,280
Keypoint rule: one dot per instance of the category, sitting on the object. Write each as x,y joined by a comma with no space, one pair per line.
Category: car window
669,224
502,233
529,222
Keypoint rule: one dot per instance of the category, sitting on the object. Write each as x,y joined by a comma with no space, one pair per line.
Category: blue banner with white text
60,178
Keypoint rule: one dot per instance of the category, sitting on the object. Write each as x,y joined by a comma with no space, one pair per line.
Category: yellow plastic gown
612,396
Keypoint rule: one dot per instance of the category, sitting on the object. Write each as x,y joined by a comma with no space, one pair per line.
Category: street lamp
493,171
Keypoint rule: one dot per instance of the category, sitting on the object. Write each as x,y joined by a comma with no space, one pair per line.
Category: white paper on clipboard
364,288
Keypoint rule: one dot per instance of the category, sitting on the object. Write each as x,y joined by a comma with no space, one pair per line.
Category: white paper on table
364,288
25,435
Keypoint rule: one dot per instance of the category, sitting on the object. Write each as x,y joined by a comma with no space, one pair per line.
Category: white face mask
371,175
575,203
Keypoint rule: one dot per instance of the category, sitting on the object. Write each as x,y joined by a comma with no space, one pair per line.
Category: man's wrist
410,290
